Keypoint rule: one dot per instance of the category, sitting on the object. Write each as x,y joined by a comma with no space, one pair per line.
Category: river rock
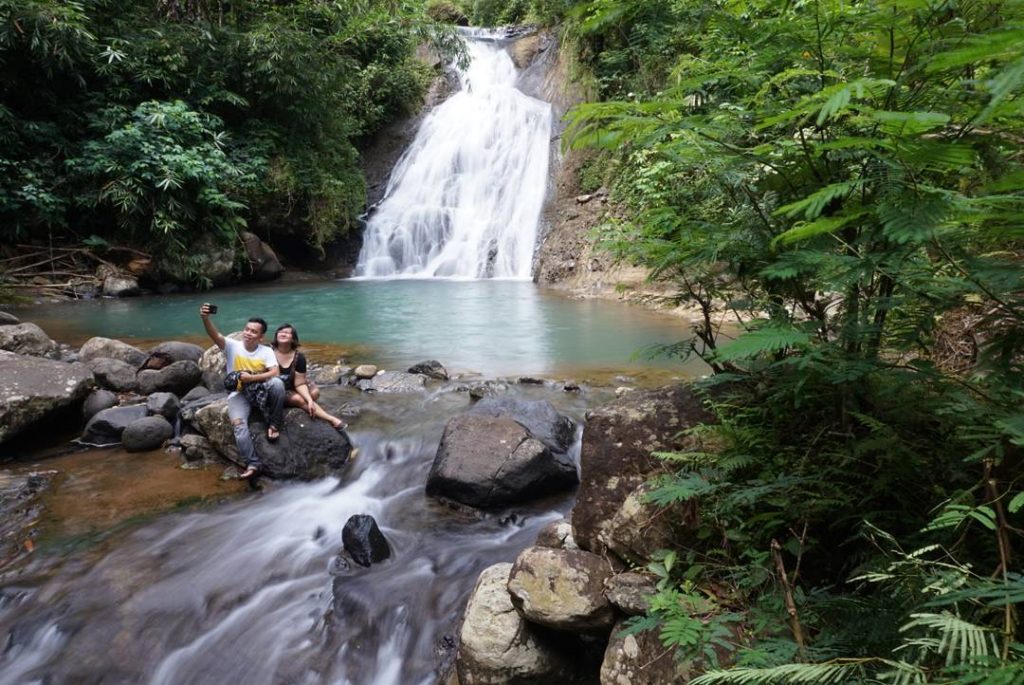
363,540
488,461
179,378
28,339
187,410
561,589
392,382
120,285
329,374
640,528
7,319
197,449
107,426
307,449
35,391
212,365
210,416
487,389
364,371
179,351
195,393
557,535
147,433
497,647
19,513
163,404
616,455
108,348
630,592
214,260
263,262
641,659
97,401
113,374
431,369
537,416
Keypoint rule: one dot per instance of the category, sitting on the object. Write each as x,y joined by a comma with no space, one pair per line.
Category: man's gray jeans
238,411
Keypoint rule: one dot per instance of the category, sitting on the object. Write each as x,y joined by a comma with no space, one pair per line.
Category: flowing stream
465,199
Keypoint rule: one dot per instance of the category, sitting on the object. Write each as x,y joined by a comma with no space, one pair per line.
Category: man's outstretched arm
211,330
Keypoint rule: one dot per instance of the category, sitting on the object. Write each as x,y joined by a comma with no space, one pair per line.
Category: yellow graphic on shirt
249,364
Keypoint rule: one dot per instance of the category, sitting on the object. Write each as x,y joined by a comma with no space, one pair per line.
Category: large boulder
497,647
616,455
97,401
630,592
210,417
163,404
8,319
641,659
179,351
113,374
107,426
556,535
537,416
35,390
640,527
29,339
108,348
212,365
178,378
488,461
212,259
121,285
393,381
263,262
363,540
147,433
562,589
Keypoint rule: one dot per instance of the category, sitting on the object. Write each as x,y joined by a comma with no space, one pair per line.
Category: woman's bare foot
340,425
273,433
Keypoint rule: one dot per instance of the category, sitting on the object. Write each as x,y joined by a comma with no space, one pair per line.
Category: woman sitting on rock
301,392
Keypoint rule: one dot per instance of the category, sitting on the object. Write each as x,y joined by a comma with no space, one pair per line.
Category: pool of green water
491,328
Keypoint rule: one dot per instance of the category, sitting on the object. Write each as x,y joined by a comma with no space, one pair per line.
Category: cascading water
465,199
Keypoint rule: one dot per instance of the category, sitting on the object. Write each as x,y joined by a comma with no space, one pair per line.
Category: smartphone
212,308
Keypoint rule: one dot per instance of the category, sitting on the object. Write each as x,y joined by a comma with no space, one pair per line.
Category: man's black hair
261,322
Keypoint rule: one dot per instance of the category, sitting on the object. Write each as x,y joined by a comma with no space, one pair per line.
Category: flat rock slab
538,416
35,389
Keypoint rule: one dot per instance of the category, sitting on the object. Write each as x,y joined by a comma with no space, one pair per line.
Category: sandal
273,433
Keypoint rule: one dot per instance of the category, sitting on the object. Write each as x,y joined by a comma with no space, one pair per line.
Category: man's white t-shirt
240,359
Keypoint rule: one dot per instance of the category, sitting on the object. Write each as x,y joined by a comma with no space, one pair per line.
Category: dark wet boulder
97,401
363,540
163,404
113,374
488,461
28,339
537,416
562,589
179,378
263,262
7,319
198,392
617,453
307,449
179,351
431,369
106,427
147,433
37,390
187,410
108,348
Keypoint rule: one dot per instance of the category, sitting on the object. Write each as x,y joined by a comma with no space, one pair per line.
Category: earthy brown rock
630,592
641,659
616,454
561,589
36,389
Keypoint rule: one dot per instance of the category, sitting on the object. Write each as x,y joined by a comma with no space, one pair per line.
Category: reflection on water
487,327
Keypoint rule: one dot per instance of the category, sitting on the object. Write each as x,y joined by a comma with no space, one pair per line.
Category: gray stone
108,348
497,647
179,351
195,393
537,416
211,258
211,418
163,404
97,401
179,378
121,286
363,540
7,319
36,390
197,449
630,592
641,659
365,371
640,528
557,535
107,426
113,374
263,262
561,589
487,461
187,410
617,452
147,433
431,369
28,339
329,374
393,382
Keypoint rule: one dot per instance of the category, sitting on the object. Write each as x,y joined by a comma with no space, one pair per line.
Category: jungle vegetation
153,123
843,179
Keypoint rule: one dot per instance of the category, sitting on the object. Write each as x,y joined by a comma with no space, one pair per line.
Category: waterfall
465,199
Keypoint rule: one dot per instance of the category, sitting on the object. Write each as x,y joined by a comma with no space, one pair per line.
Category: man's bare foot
248,473
273,434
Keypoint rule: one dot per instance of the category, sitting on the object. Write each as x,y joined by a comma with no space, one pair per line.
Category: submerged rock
36,390
363,540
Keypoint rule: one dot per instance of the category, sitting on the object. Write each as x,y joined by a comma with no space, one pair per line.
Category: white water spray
465,199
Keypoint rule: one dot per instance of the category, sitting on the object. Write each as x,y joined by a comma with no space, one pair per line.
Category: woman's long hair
295,336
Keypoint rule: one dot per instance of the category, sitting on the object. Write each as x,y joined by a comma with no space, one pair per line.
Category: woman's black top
287,373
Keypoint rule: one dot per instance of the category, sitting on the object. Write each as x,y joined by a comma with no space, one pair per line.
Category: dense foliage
160,121
844,181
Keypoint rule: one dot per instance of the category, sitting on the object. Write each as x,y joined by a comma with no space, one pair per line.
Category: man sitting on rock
254,368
